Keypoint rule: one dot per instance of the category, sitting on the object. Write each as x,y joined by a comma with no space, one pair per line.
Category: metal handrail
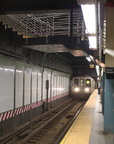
45,24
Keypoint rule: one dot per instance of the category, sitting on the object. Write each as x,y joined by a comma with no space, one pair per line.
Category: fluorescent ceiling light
89,18
89,15
92,42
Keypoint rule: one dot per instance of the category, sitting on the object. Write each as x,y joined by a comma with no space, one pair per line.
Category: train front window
88,82
76,82
82,82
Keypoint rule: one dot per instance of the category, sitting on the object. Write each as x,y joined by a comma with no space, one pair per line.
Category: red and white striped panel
54,98
64,94
26,108
39,103
33,105
18,110
36,104
6,115
59,96
49,100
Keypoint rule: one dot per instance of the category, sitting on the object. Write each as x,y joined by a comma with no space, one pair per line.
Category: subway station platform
88,127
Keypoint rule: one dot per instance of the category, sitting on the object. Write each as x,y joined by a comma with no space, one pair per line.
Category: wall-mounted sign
109,70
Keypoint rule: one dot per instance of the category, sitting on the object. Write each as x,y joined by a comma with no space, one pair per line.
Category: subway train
82,87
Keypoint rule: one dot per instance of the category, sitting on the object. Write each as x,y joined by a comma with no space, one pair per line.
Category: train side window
88,82
82,82
76,82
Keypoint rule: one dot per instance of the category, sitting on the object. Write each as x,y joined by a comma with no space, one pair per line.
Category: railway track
51,127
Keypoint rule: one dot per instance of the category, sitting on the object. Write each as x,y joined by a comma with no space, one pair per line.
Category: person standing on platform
99,87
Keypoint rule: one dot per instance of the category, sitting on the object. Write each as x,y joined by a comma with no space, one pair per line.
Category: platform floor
88,127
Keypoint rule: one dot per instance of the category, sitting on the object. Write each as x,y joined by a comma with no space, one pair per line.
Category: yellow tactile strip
79,133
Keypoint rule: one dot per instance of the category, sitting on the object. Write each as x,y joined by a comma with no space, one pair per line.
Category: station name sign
109,70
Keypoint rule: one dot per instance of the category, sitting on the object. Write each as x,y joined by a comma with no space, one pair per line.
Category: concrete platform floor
88,127
79,132
97,135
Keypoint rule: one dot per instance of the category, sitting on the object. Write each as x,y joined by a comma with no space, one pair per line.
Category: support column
109,73
109,51
108,105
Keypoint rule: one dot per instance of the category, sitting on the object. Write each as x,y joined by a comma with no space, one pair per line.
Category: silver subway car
82,87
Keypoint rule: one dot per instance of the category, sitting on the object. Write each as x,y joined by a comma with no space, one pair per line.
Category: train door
81,85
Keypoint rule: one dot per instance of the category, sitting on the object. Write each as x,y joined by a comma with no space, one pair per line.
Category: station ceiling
51,26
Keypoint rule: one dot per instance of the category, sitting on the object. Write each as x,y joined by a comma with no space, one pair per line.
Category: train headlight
76,89
87,89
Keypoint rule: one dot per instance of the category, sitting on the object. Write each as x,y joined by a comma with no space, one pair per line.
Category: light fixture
91,66
89,13
87,89
89,18
92,42
76,89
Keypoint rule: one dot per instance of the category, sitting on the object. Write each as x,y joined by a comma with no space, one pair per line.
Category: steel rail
26,126
69,125
42,126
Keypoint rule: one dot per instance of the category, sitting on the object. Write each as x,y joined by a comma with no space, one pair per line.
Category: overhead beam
13,6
